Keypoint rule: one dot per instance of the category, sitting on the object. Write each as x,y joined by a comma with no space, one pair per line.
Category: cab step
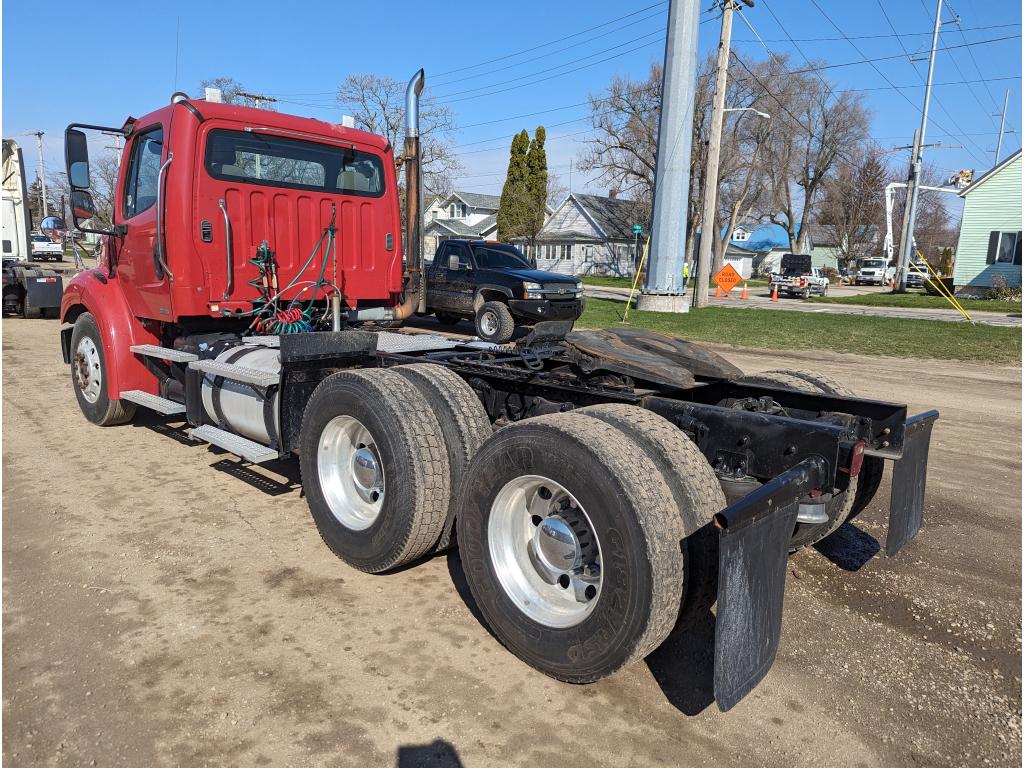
153,402
163,353
236,372
248,449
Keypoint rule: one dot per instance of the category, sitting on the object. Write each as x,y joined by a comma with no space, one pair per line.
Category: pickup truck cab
799,278
496,286
43,248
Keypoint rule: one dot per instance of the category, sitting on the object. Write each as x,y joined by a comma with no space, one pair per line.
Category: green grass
778,329
920,301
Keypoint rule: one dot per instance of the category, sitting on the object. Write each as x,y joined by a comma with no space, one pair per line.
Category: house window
451,211
433,215
566,252
1004,248
740,235
464,211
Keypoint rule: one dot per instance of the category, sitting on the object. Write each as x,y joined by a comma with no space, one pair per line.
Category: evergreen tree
514,208
536,184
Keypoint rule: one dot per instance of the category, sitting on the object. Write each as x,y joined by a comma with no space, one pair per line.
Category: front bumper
546,309
753,539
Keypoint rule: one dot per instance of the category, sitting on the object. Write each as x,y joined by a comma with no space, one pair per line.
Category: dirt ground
165,606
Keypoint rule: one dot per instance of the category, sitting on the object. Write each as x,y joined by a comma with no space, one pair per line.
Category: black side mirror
76,152
453,262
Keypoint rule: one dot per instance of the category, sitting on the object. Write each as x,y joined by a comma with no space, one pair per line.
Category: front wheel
89,376
494,322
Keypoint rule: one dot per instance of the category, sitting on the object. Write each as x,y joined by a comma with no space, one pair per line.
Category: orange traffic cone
892,283
775,292
744,294
718,291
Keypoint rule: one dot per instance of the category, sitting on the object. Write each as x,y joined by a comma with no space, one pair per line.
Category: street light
757,112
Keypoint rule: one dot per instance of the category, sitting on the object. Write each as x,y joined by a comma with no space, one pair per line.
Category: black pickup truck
496,286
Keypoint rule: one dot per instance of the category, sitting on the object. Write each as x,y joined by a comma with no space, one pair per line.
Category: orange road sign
727,278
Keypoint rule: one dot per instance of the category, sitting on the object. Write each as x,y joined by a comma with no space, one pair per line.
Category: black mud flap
906,505
754,537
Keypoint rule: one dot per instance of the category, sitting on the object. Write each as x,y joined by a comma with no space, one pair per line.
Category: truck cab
874,271
495,285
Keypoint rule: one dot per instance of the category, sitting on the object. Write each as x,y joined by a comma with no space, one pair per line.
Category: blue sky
125,64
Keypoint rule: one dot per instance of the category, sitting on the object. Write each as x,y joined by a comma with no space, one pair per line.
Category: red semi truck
606,487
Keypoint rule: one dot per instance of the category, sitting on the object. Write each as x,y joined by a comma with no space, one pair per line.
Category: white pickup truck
44,249
798,278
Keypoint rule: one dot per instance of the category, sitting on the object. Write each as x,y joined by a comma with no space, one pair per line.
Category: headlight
533,291
579,286
532,286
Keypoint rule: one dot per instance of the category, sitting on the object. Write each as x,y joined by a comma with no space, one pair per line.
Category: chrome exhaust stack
415,293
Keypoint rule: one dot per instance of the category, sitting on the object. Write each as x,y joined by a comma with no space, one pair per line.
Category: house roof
462,229
477,200
615,218
764,237
988,174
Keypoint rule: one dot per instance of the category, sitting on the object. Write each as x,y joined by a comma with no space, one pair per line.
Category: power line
550,42
867,37
887,80
659,32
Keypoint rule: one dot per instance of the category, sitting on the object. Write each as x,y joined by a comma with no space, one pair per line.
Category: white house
460,214
587,234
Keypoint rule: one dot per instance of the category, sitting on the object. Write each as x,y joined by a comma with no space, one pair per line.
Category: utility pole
43,207
708,234
257,98
1002,125
914,178
664,288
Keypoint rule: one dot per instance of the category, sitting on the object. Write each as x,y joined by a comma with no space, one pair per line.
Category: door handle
227,247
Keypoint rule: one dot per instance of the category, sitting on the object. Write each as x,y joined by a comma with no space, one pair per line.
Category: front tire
574,563
374,469
494,322
89,376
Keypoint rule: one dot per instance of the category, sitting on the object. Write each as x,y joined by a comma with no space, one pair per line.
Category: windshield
40,239
506,257
873,263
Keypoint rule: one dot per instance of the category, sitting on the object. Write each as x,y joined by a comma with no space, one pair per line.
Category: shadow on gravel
258,479
849,547
684,666
439,754
458,577
167,426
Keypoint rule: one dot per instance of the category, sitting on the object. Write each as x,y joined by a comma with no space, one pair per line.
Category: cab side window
140,183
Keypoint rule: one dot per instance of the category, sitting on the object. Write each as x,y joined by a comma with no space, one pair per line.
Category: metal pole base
661,302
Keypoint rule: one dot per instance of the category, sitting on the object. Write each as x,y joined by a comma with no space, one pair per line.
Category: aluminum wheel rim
489,323
351,472
88,371
550,570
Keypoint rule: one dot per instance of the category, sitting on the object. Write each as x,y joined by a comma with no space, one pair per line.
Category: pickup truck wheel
494,322
374,469
89,376
574,563
463,420
805,293
446,319
696,493
851,502
824,291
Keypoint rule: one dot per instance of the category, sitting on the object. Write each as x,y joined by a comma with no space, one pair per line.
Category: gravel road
165,606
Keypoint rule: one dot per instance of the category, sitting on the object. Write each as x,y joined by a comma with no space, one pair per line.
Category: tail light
856,458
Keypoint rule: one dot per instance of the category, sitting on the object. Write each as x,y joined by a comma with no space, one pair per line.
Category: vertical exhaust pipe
415,293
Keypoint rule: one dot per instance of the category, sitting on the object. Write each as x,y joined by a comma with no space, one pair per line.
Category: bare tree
814,128
625,146
852,208
934,229
379,107
557,190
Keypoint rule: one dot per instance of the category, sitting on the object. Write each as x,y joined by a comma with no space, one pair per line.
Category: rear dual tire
382,454
628,508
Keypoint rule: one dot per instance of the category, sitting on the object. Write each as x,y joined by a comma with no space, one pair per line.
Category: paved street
760,298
